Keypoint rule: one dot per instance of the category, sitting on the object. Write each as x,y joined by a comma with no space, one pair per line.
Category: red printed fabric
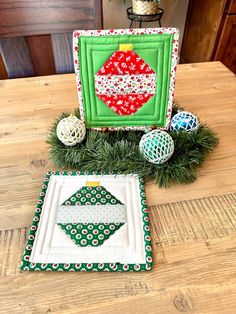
125,104
125,62
125,82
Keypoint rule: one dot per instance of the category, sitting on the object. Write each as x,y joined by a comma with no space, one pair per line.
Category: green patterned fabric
90,234
92,195
27,265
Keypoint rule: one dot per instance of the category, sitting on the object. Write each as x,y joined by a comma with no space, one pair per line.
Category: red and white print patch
125,82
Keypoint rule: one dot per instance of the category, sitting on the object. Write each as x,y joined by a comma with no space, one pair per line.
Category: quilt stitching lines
119,33
27,265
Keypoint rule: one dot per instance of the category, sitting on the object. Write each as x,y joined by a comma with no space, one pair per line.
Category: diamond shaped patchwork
125,82
92,200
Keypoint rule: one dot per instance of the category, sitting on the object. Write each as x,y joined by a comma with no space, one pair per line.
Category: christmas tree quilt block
82,227
126,78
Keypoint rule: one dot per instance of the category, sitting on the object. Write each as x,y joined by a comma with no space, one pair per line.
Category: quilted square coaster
126,78
81,227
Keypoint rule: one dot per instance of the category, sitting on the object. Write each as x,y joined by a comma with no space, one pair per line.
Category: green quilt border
26,265
126,121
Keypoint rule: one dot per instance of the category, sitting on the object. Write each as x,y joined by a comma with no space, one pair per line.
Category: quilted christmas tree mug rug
126,78
86,222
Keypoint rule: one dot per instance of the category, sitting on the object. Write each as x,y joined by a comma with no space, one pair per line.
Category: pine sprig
118,152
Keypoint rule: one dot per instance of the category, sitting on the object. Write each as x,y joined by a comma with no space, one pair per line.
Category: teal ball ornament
156,146
184,121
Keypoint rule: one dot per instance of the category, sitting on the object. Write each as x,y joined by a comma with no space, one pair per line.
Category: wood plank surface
193,227
232,7
226,49
62,49
202,25
32,17
41,53
3,71
16,57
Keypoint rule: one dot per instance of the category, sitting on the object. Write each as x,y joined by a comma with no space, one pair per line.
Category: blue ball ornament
184,121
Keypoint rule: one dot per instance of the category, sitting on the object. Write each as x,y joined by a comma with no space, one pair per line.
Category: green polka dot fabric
90,234
92,195
26,264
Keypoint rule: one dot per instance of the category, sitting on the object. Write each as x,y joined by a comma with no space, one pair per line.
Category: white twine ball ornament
156,146
184,121
71,131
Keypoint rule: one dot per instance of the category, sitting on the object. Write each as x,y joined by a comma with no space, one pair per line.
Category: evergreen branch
118,152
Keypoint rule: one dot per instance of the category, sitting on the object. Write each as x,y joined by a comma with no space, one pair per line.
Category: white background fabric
52,245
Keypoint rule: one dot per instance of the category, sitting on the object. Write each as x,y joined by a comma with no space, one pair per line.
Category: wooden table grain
193,226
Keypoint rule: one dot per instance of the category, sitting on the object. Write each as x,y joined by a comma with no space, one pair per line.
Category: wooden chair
36,36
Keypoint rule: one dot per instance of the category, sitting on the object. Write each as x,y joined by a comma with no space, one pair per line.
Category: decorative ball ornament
156,146
71,131
184,121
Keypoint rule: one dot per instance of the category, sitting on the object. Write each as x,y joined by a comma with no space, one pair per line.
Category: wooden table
193,227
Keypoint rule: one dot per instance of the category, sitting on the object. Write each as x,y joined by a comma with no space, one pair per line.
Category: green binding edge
26,265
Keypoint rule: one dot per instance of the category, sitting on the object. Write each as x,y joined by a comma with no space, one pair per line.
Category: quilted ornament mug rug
128,249
140,100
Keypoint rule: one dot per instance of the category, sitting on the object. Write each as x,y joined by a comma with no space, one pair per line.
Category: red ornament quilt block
126,77
125,82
